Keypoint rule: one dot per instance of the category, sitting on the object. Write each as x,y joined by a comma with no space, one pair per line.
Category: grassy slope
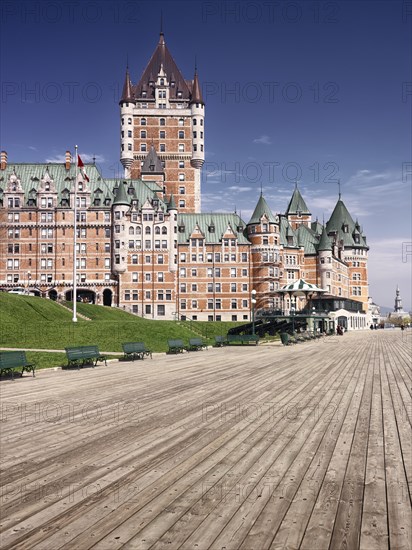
32,322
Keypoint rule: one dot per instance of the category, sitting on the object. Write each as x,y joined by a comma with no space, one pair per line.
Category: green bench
220,341
196,344
11,361
136,350
84,355
176,345
243,339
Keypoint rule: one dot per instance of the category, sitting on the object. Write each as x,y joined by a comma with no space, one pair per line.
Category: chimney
3,160
68,160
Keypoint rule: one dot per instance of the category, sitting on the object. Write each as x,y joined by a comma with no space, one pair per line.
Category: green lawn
32,322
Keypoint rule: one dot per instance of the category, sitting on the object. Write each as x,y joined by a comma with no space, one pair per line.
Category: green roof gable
219,224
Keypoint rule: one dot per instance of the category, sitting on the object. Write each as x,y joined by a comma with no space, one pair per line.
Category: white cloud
239,189
58,159
263,140
32,148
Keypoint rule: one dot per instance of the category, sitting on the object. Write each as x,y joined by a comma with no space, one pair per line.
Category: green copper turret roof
341,222
122,198
297,204
171,204
261,209
325,242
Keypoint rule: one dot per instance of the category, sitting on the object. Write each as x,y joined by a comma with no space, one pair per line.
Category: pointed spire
152,163
127,93
171,204
325,242
196,92
121,196
297,203
261,208
340,194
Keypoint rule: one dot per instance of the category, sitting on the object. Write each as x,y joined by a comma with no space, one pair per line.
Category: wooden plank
236,449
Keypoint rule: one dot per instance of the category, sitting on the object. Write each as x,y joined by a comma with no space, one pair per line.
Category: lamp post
292,313
314,322
28,281
253,301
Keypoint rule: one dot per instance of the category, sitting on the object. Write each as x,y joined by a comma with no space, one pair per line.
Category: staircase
193,327
71,310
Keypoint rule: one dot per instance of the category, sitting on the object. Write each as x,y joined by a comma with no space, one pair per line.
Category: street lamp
253,310
28,281
292,312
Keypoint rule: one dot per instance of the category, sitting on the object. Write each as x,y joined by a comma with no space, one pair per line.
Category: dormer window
80,186
345,228
162,82
144,94
181,228
211,228
47,187
299,214
179,95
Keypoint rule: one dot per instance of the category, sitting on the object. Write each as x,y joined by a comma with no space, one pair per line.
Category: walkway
254,448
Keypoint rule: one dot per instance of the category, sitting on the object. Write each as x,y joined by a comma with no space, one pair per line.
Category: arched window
164,230
142,122
131,230
147,230
157,230
138,230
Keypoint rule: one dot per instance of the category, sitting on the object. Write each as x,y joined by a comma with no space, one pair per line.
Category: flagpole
75,241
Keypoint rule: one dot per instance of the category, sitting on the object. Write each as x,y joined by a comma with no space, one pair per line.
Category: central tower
165,112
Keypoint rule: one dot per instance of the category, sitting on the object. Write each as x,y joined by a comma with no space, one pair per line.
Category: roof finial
195,63
261,189
161,21
127,61
340,194
296,183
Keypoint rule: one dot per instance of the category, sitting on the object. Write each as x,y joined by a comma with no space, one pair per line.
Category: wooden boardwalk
249,448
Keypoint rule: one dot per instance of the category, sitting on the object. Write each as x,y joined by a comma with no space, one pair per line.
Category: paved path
255,448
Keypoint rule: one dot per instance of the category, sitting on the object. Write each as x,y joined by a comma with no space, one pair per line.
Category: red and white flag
80,164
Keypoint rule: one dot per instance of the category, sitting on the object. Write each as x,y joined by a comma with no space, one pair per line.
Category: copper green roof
32,174
220,222
297,204
261,209
307,238
287,235
325,242
171,204
342,224
121,198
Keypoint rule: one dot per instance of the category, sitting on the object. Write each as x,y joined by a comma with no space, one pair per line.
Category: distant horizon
293,91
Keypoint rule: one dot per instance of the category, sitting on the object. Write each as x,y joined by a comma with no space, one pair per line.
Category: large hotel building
143,243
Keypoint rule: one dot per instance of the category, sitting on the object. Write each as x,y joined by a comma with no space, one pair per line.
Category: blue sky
319,91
